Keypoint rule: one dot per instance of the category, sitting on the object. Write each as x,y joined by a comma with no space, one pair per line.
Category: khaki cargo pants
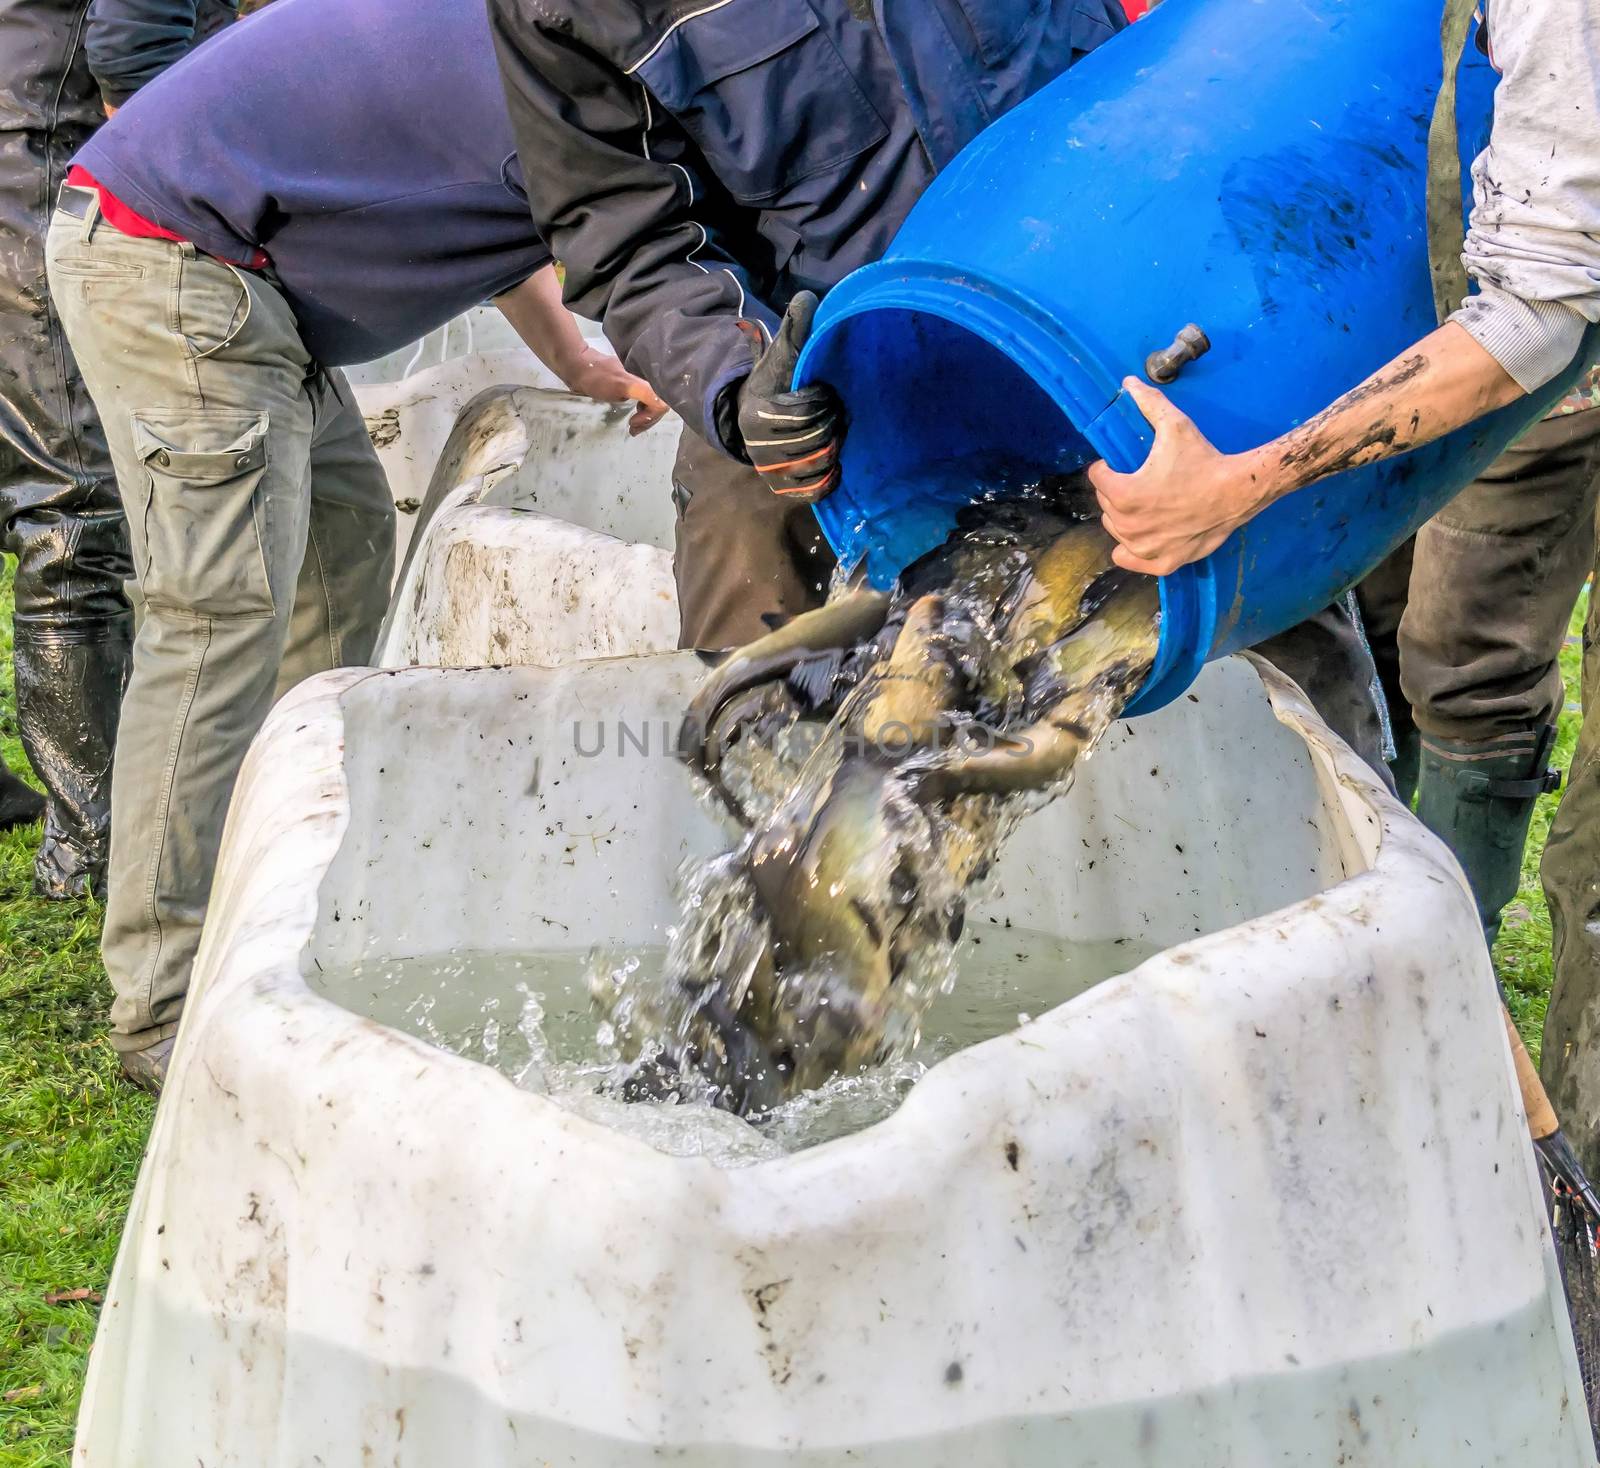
262,532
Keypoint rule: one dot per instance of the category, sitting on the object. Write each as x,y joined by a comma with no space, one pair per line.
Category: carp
940,710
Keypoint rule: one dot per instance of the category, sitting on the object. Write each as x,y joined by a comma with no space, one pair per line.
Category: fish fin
1101,590
1041,683
815,680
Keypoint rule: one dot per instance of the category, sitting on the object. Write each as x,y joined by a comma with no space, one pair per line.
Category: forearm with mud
1445,381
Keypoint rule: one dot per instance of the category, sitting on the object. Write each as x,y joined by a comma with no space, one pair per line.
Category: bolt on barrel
1164,366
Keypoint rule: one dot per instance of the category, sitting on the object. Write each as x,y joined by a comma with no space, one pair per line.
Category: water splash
878,753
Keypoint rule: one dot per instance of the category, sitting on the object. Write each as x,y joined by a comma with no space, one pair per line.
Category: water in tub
530,1017
815,973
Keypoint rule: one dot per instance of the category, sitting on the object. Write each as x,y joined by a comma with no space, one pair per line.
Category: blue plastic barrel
1257,167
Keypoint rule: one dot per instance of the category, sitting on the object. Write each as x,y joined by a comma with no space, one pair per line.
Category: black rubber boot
1479,798
20,803
69,694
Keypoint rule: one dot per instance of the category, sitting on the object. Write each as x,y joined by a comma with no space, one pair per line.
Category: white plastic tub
545,537
418,405
410,400
1265,1200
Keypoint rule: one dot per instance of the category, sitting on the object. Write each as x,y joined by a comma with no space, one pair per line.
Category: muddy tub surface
1265,1199
534,528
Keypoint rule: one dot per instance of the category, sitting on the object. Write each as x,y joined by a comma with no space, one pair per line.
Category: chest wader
1476,796
60,513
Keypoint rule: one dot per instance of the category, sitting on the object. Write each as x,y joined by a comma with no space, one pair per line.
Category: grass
71,1132
1522,956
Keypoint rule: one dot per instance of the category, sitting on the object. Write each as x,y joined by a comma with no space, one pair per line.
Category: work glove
791,436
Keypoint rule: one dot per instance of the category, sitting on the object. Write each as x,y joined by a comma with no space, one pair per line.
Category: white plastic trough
421,406
504,481
412,398
544,536
1266,1200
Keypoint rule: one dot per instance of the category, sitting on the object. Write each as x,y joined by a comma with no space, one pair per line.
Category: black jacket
695,162
131,42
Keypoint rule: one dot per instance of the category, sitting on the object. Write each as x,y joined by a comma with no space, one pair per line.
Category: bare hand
1186,498
601,376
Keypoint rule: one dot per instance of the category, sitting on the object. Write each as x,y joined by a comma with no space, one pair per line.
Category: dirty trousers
1562,546
262,533
744,553
1474,612
1484,610
1571,872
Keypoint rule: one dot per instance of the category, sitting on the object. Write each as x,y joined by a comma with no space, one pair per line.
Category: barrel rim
1090,398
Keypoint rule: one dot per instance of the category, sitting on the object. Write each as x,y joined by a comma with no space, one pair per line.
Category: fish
942,711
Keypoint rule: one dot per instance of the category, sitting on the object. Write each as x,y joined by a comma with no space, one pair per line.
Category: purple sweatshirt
364,145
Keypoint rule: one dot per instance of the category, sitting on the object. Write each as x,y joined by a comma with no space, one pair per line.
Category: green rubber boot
1479,799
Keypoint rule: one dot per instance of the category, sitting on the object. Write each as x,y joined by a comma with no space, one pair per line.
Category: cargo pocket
85,269
204,514
764,93
88,278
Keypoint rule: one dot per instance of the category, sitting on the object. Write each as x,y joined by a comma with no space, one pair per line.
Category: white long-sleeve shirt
1533,242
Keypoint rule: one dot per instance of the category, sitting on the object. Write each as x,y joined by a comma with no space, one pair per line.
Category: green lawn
70,1138
71,1132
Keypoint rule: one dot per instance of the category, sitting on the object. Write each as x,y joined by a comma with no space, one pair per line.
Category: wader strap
1481,787
1445,236
1542,780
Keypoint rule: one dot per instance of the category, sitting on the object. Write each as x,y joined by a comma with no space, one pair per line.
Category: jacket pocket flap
722,42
